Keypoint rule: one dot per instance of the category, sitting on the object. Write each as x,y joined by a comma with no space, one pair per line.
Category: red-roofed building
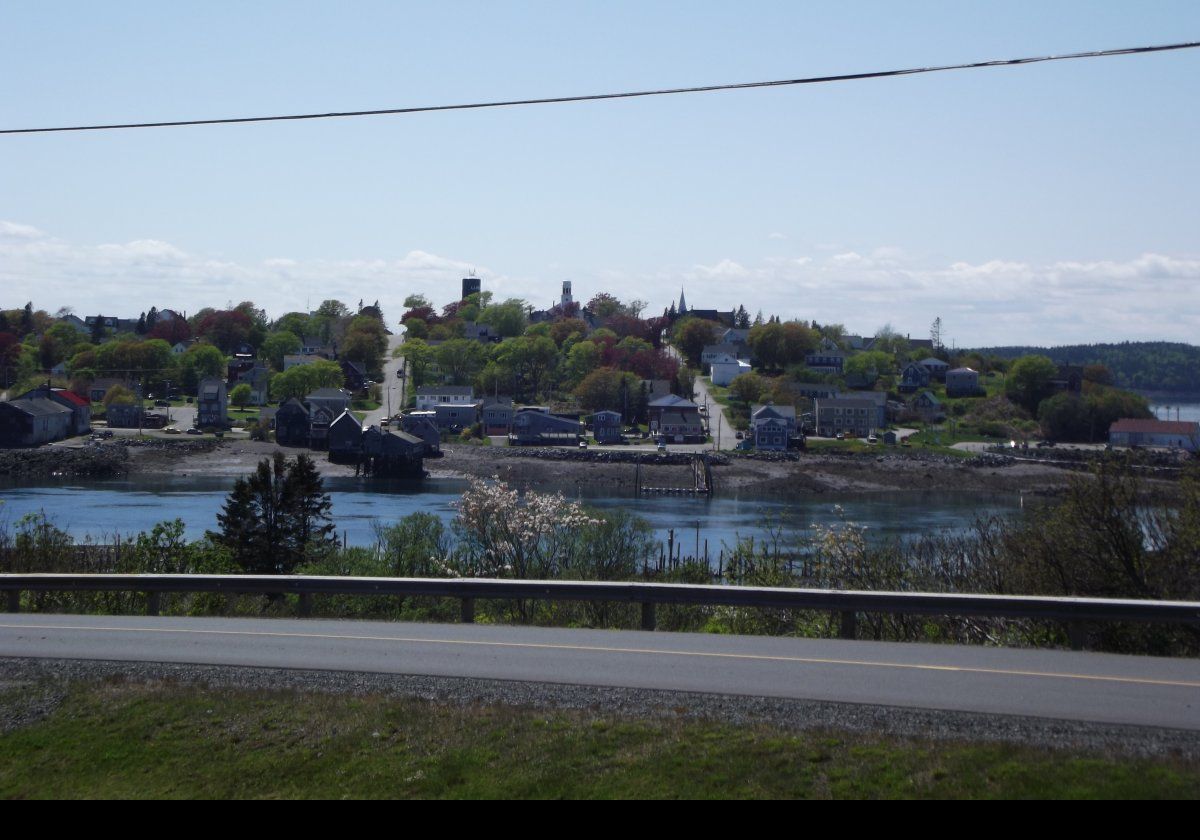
1173,434
81,407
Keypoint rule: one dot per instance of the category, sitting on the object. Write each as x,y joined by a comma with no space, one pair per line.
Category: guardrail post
14,600
467,611
153,603
1076,635
648,617
848,621
305,604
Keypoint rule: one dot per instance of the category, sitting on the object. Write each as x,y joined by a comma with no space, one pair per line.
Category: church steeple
682,302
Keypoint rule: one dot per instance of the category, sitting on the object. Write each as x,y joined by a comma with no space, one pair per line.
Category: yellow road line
801,660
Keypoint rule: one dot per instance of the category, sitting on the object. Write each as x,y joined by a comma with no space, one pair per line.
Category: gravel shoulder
47,680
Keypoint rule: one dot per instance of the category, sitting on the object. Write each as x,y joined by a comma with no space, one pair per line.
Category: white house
429,397
726,367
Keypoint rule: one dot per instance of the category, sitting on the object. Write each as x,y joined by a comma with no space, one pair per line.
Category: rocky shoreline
772,474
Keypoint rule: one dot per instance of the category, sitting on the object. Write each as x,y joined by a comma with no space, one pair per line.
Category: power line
557,100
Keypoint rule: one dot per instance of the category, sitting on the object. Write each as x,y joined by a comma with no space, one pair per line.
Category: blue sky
1045,204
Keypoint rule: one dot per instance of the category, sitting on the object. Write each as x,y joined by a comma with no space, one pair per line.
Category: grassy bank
117,740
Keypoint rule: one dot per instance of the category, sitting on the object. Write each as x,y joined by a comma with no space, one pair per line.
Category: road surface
1093,687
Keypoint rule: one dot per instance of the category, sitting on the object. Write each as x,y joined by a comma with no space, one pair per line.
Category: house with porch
772,426
606,427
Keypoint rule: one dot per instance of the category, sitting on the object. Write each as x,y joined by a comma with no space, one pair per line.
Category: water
1184,407
102,509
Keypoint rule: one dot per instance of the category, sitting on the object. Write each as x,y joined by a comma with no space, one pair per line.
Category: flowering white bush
509,534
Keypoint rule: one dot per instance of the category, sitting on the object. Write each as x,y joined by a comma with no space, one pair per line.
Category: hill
1138,365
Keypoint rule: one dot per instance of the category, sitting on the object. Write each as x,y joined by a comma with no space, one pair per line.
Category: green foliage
119,395
506,319
198,362
691,336
240,395
606,388
1142,365
1029,380
748,388
302,380
280,344
276,518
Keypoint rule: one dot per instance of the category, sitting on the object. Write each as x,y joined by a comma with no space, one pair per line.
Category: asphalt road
1098,688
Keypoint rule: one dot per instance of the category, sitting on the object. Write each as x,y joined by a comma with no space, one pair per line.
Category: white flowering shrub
528,535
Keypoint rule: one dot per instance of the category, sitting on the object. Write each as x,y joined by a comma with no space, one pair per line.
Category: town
604,373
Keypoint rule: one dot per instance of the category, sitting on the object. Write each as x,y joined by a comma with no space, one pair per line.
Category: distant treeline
1140,365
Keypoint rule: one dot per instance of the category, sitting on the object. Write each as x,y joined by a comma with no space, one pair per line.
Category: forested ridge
1142,365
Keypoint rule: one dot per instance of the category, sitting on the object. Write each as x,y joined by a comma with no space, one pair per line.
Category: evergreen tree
27,319
141,324
277,517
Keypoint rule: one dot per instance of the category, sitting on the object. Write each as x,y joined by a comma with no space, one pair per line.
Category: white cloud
776,235
999,301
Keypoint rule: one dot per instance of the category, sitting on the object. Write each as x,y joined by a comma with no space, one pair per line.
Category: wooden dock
702,484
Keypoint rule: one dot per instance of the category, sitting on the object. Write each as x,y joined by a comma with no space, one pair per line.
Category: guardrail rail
845,604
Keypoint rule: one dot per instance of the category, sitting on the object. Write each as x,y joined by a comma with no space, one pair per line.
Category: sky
1047,204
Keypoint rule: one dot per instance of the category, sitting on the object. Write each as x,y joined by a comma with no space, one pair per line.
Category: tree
118,395
748,388
240,395
1029,381
691,337
302,380
277,517
279,344
606,388
418,356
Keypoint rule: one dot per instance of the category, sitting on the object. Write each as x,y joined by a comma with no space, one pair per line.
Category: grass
117,740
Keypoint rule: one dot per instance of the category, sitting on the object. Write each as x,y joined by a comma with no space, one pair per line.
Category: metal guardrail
846,604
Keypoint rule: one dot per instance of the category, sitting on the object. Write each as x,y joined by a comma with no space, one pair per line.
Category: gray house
936,367
423,425
535,428
849,415
913,378
606,427
496,415
928,407
212,404
676,419
324,406
962,382
772,426
345,438
291,423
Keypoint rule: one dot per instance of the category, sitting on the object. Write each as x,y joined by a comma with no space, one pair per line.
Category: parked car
194,431
161,404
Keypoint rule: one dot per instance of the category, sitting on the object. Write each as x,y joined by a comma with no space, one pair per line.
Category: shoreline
781,475
806,475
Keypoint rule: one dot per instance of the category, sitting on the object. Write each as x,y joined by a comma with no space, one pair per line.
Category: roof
849,402
346,417
762,412
678,418
934,362
448,390
1155,427
327,394
38,406
72,397
963,370
672,401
